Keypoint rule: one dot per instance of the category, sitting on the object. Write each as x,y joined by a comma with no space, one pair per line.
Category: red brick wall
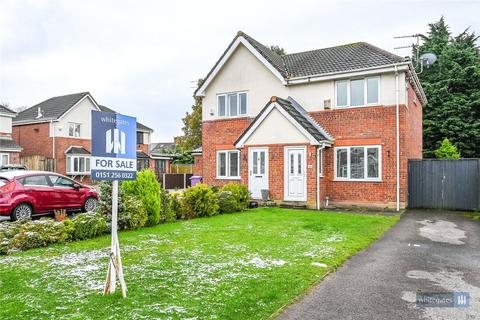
363,126
34,139
349,127
221,135
197,165
414,129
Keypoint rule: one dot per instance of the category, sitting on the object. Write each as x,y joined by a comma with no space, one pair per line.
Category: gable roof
51,109
294,113
348,57
54,108
271,56
140,126
6,110
353,57
76,150
159,147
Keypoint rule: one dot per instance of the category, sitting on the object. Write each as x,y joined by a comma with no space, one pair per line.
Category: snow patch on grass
265,263
319,264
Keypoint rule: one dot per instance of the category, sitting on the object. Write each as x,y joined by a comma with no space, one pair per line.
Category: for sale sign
114,142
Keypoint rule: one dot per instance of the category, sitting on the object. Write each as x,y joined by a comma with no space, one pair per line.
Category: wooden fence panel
444,184
174,180
181,168
39,163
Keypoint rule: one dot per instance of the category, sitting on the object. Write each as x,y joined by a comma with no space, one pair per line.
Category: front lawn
233,266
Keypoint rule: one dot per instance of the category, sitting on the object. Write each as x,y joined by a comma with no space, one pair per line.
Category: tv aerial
424,60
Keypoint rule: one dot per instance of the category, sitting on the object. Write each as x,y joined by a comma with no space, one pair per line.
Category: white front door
257,171
295,174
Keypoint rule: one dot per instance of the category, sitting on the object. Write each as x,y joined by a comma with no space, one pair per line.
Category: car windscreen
3,181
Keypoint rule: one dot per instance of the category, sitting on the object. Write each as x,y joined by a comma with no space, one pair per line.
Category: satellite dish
427,59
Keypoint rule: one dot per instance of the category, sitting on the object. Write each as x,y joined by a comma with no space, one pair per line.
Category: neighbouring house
9,149
333,126
58,131
162,154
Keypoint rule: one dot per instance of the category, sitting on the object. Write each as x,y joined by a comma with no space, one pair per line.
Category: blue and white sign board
114,146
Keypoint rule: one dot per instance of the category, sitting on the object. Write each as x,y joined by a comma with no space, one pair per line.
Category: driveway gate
444,184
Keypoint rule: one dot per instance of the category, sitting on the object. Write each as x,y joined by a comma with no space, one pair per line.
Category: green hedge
199,201
240,194
147,189
141,202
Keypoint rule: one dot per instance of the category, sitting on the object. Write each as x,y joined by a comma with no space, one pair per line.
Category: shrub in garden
199,201
175,205
104,205
147,188
240,194
227,202
167,214
89,225
7,231
41,233
133,214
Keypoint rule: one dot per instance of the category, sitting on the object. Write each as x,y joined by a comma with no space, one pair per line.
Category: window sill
228,118
228,178
362,106
78,173
357,180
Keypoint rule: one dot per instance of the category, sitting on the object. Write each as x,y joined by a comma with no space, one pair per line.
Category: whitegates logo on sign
114,142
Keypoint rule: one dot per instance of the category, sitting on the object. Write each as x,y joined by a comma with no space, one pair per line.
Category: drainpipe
397,132
318,176
53,138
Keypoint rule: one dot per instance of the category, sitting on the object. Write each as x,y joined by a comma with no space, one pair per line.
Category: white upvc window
78,165
358,163
232,104
74,130
228,164
4,159
357,92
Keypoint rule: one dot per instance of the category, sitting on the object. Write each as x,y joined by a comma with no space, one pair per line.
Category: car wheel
89,204
22,211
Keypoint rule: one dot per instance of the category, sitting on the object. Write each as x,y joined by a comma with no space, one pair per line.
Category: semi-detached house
9,148
333,126
59,128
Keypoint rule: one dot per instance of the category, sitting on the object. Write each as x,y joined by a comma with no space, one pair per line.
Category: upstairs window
140,137
74,130
357,92
232,104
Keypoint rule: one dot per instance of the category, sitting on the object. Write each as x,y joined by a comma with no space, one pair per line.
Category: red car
27,193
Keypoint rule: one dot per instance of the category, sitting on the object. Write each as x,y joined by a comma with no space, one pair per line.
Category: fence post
184,181
163,180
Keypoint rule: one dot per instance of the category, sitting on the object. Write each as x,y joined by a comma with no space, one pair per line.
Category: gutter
334,75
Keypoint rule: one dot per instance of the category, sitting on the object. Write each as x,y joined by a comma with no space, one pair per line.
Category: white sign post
115,266
114,158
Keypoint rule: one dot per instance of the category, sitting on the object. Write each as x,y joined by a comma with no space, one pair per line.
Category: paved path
427,251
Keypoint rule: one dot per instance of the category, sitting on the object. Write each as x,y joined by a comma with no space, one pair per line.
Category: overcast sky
142,58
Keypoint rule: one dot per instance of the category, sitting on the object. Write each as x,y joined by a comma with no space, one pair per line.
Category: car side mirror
76,186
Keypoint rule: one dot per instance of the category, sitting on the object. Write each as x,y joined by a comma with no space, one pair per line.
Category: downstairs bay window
358,163
78,165
228,164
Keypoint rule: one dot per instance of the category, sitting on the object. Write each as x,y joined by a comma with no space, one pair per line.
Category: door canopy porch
284,121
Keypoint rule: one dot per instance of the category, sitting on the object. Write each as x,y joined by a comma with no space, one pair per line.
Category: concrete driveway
427,251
